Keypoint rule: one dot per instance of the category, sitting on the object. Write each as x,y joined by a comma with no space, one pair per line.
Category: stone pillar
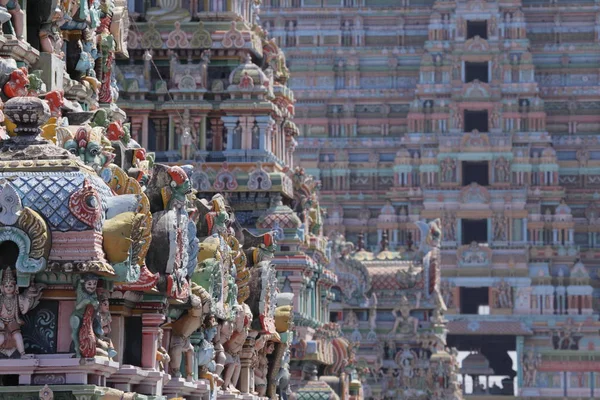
117,335
264,123
524,229
150,328
202,134
171,134
520,353
554,236
230,124
145,131
571,236
246,381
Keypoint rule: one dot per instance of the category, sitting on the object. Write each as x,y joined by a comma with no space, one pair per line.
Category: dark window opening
9,380
474,230
474,300
9,252
132,351
335,316
476,70
476,28
475,171
476,120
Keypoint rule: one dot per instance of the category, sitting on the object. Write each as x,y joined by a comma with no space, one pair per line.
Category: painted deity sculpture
261,368
162,355
86,330
104,344
404,321
17,16
182,329
234,345
13,306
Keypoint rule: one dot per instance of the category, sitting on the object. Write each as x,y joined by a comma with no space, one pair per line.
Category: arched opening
9,252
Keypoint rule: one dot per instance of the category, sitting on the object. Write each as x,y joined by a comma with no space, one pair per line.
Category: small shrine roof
315,390
397,276
476,364
463,327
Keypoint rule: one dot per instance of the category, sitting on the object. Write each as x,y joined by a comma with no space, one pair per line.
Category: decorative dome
579,270
563,209
239,76
476,364
548,152
387,213
280,215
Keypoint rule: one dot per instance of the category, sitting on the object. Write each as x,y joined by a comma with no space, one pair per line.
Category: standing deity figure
449,227
504,299
406,360
162,356
13,307
447,294
187,137
531,363
233,347
224,333
502,169
456,117
448,169
495,119
182,329
84,323
261,369
500,224
105,343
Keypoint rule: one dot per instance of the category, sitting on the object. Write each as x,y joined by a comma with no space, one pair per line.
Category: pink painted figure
13,307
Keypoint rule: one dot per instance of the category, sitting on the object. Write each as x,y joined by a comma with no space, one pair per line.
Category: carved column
150,328
144,133
520,353
230,124
264,122
246,381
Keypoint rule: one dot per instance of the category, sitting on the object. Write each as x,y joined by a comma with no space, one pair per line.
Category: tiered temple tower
206,89
483,114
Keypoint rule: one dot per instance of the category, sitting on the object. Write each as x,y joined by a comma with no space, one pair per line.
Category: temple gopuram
481,113
206,90
123,276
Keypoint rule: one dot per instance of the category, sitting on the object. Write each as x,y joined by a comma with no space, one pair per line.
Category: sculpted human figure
162,356
233,347
17,16
449,223
13,307
448,169
183,328
261,368
502,168
105,343
495,119
406,360
504,299
405,321
500,223
84,326
351,320
531,363
223,335
447,295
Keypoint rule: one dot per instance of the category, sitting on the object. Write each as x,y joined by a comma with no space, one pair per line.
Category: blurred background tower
483,113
